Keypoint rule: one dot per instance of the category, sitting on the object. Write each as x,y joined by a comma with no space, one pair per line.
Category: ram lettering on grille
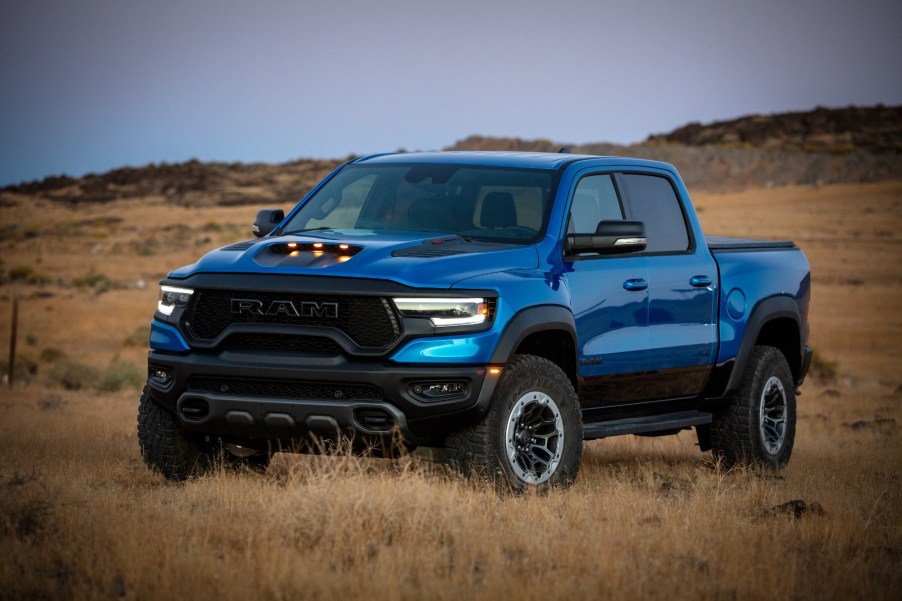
246,306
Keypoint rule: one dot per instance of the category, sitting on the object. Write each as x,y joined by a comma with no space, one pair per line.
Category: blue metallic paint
164,337
674,324
759,276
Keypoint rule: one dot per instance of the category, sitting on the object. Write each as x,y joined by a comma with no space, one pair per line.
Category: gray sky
95,84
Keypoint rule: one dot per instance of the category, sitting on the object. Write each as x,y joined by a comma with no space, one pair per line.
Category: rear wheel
758,426
532,434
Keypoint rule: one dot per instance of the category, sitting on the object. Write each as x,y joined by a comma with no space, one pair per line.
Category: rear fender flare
767,310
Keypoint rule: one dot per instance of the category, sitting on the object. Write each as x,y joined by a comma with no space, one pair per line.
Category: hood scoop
240,246
305,254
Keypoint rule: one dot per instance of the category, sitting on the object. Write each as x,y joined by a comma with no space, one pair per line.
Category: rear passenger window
595,200
653,201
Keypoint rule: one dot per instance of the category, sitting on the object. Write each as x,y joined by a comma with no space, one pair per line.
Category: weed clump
51,355
73,375
823,369
24,370
97,281
27,275
139,338
121,375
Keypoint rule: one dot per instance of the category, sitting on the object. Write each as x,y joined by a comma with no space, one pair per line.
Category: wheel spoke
772,418
534,434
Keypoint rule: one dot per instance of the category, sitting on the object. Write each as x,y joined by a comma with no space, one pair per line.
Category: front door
610,302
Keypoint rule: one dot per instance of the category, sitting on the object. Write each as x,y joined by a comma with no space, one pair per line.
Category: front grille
370,321
283,389
281,342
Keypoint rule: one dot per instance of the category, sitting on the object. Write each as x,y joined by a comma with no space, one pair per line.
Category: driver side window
594,200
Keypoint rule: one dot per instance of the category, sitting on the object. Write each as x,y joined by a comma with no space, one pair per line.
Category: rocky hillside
873,130
823,146
819,147
188,184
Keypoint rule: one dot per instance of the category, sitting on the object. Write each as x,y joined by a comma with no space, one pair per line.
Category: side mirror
266,221
610,238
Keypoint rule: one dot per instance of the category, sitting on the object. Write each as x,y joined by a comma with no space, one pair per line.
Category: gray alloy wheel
531,436
772,415
534,437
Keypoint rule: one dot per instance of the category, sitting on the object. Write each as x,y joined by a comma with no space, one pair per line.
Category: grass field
81,516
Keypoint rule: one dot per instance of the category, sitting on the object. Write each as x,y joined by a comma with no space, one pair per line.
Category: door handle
700,281
635,285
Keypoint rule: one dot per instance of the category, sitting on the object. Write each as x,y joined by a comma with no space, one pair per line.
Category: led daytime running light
172,297
445,312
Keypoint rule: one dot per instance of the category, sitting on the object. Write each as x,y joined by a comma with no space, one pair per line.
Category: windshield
487,204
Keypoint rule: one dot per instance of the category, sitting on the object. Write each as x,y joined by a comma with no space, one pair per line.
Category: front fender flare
531,321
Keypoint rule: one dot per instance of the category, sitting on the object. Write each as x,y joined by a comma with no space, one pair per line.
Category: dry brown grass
81,517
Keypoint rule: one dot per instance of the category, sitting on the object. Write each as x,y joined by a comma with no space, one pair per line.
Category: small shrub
98,281
51,355
823,369
73,375
31,230
28,275
24,369
121,375
139,338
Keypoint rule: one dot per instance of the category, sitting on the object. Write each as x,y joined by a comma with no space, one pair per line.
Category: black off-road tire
532,435
166,446
744,432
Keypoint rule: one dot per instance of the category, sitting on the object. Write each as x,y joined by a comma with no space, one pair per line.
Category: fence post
12,340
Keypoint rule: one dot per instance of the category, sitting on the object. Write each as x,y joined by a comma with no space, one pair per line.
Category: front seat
498,210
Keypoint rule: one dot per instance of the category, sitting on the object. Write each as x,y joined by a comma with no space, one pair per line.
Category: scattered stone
796,508
878,421
695,564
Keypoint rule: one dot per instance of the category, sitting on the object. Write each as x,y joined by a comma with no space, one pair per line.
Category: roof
531,160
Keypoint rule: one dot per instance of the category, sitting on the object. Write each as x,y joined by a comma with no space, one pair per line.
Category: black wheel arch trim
767,310
533,320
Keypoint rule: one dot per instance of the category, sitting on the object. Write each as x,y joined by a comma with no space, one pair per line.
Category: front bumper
363,399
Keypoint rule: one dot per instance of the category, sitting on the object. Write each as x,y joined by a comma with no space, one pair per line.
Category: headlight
172,297
445,312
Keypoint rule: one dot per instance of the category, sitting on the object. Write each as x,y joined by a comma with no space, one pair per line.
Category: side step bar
643,425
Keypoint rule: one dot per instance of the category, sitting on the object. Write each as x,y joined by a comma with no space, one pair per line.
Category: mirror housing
267,220
610,238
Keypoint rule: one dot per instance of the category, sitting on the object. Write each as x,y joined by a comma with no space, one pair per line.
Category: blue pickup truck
495,309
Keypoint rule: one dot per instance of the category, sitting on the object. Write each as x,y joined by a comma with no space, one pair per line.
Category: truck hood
408,258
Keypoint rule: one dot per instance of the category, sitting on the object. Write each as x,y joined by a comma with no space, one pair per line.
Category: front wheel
166,446
532,433
758,426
